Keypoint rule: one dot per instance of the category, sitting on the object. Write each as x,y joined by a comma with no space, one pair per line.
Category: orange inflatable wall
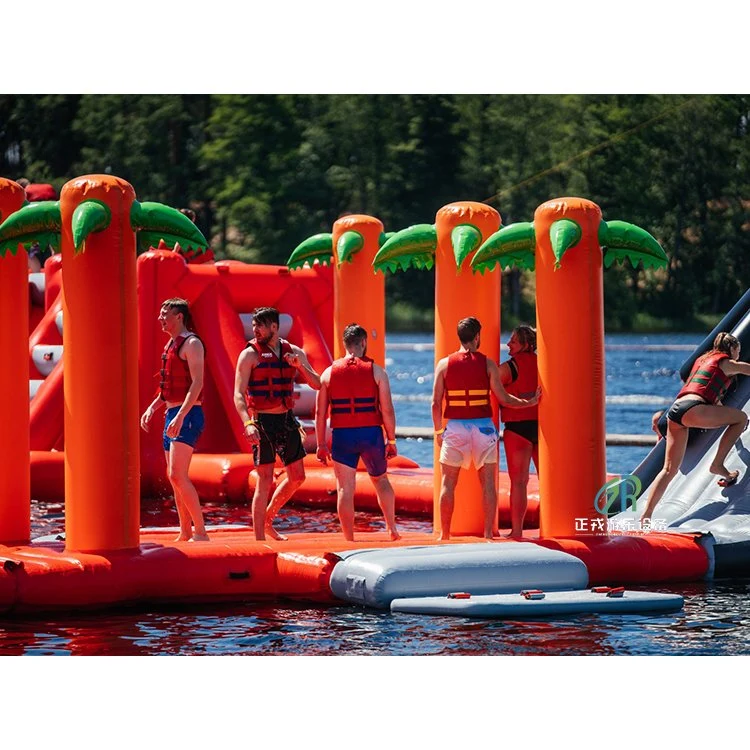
218,293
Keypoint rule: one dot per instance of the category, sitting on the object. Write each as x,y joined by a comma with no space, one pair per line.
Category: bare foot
393,535
184,536
729,479
514,536
722,471
275,534
444,536
200,537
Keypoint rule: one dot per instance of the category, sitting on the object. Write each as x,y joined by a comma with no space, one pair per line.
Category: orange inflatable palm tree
564,244
458,231
15,503
358,292
98,217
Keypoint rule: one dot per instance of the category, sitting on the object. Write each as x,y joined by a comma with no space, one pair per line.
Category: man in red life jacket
359,395
464,381
263,397
180,391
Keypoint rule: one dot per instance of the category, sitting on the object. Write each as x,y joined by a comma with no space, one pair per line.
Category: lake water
639,381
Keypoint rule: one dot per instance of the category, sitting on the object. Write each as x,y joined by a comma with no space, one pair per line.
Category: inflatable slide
694,502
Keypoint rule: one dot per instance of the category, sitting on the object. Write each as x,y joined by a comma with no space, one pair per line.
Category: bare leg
447,498
489,496
180,455
387,503
710,416
295,476
677,436
186,527
345,481
260,500
518,452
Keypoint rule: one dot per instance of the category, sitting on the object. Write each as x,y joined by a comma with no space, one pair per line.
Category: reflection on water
702,628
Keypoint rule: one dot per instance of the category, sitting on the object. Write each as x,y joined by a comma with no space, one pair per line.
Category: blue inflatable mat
540,604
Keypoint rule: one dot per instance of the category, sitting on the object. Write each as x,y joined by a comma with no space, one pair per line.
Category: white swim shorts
467,440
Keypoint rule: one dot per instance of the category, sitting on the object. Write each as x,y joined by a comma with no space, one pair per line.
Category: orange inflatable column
570,348
459,293
359,292
102,479
15,481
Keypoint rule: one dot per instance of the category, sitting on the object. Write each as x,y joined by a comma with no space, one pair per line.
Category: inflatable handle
616,592
459,595
533,594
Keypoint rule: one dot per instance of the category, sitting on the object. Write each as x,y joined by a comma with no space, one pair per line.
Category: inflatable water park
82,354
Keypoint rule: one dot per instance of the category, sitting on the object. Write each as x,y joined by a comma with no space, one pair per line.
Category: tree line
263,172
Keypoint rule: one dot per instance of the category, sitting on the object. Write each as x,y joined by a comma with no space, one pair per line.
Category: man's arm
194,356
501,394
298,359
153,407
321,413
245,364
386,409
438,391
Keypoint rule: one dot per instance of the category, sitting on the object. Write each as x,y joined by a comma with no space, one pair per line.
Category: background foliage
265,172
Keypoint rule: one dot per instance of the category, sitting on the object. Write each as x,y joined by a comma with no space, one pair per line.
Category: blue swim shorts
192,426
349,444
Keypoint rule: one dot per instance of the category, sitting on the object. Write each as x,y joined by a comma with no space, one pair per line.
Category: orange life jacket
524,386
467,386
353,392
272,383
175,373
707,379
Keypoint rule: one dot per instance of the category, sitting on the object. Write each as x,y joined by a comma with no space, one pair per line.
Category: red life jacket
707,379
467,386
272,383
354,393
175,373
523,386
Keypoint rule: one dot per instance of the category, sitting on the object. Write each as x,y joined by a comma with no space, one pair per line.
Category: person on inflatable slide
263,397
181,391
698,404
358,393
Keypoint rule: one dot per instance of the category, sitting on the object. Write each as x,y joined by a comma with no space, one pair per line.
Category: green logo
627,488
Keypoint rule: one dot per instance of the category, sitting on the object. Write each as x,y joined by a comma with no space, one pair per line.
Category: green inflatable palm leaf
158,218
34,223
414,247
511,247
318,247
624,241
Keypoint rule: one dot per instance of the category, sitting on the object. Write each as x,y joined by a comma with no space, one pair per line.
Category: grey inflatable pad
376,577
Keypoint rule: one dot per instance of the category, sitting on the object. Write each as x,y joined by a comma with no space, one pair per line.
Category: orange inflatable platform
233,566
229,477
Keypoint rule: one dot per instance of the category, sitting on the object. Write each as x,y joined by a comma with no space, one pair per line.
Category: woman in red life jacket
698,404
521,425
263,397
359,395
464,381
181,391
